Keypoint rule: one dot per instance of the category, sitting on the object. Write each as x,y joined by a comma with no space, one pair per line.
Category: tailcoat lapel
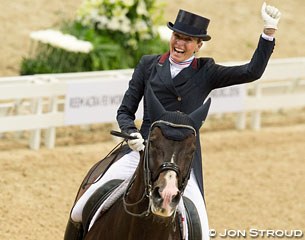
164,74
163,70
186,75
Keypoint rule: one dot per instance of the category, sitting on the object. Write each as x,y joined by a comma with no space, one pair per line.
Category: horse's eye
152,141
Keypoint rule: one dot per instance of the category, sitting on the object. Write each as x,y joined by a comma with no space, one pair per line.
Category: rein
149,177
119,145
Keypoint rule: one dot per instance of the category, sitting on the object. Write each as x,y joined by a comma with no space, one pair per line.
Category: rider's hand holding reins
271,16
136,144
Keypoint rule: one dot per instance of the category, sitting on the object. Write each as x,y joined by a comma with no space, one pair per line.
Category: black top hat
191,24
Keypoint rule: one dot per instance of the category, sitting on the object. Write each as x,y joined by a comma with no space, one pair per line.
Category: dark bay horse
148,208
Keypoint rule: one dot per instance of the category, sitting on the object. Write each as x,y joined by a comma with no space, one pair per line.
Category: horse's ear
200,114
155,108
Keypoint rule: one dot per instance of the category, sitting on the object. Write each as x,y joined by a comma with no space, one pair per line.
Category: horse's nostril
176,199
156,194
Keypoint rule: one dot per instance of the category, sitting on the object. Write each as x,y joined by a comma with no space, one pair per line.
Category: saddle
102,193
96,200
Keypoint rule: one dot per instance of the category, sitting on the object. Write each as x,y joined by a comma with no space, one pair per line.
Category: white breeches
123,169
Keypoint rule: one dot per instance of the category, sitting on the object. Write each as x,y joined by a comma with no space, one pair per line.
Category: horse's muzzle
165,195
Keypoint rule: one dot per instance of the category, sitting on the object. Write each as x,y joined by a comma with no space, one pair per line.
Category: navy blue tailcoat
188,90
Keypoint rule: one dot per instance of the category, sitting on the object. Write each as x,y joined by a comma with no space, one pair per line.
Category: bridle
150,177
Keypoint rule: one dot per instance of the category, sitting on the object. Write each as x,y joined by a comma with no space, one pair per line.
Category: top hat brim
204,37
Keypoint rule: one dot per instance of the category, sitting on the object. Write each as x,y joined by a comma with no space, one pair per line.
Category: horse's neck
137,188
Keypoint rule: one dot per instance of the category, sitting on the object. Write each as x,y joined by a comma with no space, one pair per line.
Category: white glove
271,16
136,144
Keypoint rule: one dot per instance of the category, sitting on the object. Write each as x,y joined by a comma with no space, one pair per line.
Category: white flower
115,19
102,20
125,26
140,26
141,8
114,24
132,43
97,2
45,36
64,41
128,3
145,36
93,13
119,12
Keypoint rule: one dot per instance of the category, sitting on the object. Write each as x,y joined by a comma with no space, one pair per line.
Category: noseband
150,177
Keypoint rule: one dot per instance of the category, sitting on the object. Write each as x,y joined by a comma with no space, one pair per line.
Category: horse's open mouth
163,212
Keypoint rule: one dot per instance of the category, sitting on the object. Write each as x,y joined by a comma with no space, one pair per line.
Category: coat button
179,99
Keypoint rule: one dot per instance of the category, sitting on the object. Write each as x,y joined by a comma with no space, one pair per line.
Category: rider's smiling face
182,47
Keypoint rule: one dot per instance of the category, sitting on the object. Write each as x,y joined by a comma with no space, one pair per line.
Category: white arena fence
47,101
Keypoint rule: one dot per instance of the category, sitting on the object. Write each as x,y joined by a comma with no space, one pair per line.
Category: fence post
241,121
36,108
18,110
50,133
4,110
256,114
35,134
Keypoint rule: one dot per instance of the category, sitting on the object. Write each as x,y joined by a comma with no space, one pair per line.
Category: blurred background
253,178
235,26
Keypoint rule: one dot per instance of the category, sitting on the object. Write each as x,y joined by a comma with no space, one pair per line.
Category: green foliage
49,59
119,31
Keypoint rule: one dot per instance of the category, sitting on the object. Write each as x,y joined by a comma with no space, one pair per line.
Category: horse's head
171,149
169,153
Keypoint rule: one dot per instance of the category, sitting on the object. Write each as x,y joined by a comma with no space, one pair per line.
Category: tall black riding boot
74,231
